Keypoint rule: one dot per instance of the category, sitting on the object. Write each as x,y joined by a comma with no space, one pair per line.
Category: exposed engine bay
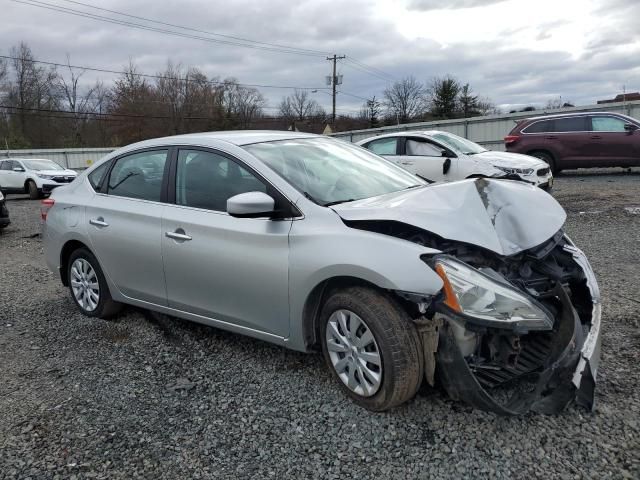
511,368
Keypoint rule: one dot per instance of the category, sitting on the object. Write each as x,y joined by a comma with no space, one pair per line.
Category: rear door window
607,124
570,124
384,146
138,175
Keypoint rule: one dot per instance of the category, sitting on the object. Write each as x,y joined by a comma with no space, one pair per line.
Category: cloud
494,68
425,5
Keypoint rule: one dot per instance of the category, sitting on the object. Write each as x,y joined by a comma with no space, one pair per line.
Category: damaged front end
515,334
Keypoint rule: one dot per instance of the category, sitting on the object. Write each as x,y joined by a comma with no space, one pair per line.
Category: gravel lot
156,398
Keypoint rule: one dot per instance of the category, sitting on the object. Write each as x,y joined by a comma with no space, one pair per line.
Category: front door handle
98,222
596,137
178,235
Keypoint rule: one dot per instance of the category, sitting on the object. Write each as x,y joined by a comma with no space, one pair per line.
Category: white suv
35,176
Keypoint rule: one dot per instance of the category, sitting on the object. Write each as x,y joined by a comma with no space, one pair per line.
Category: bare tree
487,107
405,99
299,107
243,104
74,100
443,96
32,91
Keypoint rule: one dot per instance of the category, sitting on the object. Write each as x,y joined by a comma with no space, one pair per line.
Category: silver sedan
316,244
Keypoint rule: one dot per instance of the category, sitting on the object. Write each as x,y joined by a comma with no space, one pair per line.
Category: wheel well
26,183
315,300
69,247
541,150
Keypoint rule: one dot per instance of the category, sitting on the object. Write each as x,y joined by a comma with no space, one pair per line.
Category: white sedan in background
439,156
35,176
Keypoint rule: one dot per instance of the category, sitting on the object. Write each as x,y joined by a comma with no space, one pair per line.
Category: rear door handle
596,137
178,235
551,137
98,222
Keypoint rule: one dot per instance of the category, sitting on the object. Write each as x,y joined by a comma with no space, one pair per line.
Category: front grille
543,171
62,179
535,350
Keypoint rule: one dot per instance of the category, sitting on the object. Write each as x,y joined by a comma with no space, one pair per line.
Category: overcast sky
516,52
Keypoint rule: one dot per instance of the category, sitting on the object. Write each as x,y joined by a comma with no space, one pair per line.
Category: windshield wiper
336,202
424,178
308,196
414,186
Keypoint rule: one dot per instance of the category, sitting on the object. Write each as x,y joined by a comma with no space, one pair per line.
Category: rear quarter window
541,126
95,177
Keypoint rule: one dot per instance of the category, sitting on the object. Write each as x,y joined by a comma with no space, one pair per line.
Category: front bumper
567,371
49,187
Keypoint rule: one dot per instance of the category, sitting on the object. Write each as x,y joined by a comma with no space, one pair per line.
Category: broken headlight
488,301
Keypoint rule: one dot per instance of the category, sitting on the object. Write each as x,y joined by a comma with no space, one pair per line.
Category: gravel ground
156,398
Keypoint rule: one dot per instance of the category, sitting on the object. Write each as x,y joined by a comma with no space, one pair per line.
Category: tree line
53,106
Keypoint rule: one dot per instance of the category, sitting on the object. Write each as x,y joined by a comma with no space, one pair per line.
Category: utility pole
334,81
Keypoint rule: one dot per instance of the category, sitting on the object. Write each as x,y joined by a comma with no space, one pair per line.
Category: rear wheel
547,158
32,189
371,347
88,286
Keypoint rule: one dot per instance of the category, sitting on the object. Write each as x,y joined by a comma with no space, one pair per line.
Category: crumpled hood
510,160
504,216
58,173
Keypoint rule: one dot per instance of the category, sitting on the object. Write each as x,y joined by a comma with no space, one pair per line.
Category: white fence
490,130
75,158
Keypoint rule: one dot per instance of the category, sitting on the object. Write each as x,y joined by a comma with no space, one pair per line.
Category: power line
288,47
79,13
374,70
147,75
368,72
234,40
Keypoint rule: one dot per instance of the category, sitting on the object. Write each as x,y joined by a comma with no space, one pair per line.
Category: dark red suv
578,140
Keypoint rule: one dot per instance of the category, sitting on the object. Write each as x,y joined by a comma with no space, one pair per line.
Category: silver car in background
316,244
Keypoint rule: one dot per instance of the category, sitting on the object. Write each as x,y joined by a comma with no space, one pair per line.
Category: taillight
510,139
45,206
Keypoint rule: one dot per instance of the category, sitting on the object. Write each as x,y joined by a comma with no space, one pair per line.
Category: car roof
571,114
404,133
235,137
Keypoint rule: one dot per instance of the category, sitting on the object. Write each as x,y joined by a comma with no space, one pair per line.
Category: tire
32,190
395,339
104,307
548,159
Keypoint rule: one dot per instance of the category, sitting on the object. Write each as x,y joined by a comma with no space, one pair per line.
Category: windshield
41,165
332,171
458,144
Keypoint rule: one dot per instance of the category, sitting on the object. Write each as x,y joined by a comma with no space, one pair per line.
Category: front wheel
548,159
32,189
371,347
88,286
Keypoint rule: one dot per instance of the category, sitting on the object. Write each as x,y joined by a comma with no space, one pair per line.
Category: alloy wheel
354,353
84,284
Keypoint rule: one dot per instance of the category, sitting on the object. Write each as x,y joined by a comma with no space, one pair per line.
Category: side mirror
630,127
251,205
18,169
446,166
